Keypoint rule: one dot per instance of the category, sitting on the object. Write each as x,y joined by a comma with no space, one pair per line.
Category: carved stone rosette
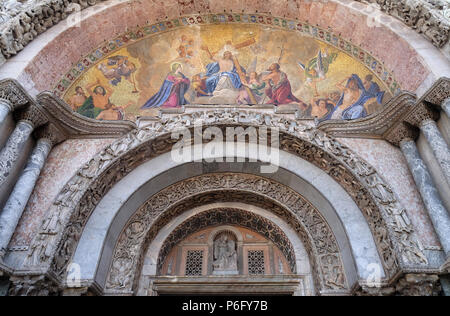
59,233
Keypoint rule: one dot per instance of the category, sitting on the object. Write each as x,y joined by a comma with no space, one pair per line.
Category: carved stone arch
280,200
228,216
303,265
218,231
60,231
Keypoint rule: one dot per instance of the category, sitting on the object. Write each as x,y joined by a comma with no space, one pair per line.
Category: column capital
422,114
34,115
15,94
400,133
438,92
50,133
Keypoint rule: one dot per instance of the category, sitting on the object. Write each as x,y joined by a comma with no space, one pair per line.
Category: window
194,262
256,265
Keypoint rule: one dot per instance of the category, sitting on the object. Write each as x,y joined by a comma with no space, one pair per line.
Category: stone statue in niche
225,255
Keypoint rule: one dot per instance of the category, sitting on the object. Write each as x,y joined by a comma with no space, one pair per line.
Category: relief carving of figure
380,190
225,256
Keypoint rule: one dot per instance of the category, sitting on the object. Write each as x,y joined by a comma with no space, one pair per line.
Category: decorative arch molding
20,30
270,195
24,21
229,216
54,245
149,269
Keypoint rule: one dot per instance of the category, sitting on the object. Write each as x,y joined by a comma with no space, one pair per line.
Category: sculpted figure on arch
225,256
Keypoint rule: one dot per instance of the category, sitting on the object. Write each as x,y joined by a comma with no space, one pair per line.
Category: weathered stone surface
408,285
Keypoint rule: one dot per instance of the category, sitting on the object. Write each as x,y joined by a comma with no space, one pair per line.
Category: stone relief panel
225,254
192,233
263,228
386,217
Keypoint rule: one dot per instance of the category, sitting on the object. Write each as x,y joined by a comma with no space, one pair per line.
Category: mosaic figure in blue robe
367,91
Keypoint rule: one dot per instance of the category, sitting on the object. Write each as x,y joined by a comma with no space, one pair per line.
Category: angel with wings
256,86
317,68
116,68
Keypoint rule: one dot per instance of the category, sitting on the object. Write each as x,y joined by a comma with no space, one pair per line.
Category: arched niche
279,267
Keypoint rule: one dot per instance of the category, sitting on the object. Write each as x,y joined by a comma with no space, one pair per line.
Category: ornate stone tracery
79,197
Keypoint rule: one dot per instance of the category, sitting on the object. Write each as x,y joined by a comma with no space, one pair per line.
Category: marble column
422,177
14,207
13,148
5,108
438,145
446,107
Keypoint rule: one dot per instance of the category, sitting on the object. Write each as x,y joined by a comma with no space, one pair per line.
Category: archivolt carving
82,193
229,216
425,16
23,21
226,187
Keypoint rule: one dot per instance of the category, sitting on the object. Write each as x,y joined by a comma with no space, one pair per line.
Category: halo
228,48
175,63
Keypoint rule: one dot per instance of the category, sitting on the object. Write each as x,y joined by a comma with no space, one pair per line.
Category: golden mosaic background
255,47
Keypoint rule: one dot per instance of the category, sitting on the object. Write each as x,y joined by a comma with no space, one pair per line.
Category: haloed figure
172,91
279,88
